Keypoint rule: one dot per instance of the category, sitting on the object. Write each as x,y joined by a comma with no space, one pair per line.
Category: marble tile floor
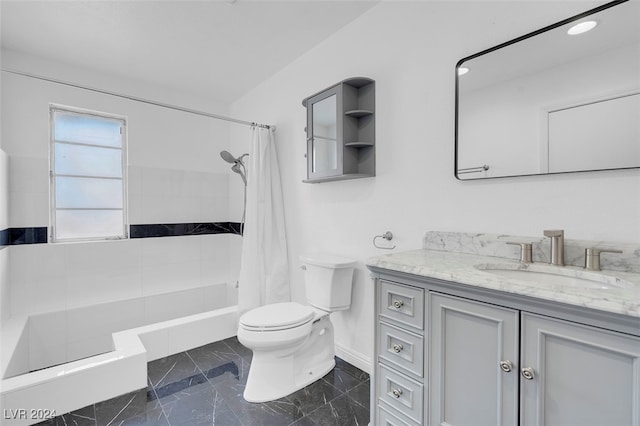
203,386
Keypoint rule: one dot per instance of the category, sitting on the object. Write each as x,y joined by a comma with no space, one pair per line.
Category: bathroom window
88,163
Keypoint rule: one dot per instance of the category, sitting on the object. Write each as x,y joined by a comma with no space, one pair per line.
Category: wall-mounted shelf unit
341,131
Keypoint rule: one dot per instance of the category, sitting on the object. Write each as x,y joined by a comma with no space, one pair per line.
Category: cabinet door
581,375
324,134
468,342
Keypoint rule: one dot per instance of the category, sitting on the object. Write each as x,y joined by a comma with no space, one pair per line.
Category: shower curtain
264,269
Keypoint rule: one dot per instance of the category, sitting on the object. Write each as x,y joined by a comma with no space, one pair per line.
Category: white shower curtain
264,269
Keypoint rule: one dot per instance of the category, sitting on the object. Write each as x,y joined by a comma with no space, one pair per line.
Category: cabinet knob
528,373
396,393
506,366
398,304
397,348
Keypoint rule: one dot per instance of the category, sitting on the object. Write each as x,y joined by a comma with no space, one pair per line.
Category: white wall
410,49
175,175
4,224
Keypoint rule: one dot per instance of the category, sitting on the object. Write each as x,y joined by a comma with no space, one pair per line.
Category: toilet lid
277,316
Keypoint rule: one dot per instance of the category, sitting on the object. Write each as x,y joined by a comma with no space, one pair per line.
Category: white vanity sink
554,275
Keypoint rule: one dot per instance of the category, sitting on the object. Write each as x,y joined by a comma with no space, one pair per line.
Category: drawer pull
506,366
396,393
397,348
398,304
527,373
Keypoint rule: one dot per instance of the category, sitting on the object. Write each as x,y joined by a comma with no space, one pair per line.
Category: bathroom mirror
553,102
325,139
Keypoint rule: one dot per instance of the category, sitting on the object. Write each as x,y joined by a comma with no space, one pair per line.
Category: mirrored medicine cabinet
341,131
552,101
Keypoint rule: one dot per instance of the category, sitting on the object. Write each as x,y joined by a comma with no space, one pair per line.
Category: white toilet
292,344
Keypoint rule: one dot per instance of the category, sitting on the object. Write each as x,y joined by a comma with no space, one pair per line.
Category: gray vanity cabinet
581,375
566,373
470,341
481,357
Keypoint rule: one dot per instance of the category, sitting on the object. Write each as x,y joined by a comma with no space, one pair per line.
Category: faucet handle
592,257
553,232
526,251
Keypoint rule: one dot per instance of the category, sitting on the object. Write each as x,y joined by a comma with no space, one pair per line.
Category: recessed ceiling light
462,70
582,27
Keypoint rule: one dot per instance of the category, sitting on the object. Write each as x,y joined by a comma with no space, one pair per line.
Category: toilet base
274,375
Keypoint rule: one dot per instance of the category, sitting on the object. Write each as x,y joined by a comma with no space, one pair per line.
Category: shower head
226,156
229,158
238,164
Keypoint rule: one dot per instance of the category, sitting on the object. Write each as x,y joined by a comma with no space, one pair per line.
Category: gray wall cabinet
451,354
341,131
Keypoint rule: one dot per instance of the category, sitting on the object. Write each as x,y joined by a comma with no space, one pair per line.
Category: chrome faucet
557,245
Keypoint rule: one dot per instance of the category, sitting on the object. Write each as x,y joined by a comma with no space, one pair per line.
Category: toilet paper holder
387,236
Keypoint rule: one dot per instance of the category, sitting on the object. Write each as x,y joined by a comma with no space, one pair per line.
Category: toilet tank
328,280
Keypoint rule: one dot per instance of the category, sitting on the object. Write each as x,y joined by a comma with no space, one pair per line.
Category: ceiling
220,49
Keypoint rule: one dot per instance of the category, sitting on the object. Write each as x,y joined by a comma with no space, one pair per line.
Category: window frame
53,108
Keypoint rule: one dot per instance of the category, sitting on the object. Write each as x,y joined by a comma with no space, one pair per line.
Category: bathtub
57,362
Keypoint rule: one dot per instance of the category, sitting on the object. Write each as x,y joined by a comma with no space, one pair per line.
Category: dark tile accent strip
17,236
38,235
4,237
180,229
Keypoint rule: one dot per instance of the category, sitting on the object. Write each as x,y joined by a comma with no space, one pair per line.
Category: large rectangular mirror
552,101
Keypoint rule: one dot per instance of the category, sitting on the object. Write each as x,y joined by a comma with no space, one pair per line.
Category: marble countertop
621,297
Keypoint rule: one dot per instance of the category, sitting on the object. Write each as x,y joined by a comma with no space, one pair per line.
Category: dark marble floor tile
360,394
212,355
304,421
238,347
277,413
205,386
236,370
351,369
219,362
206,407
342,411
342,380
171,369
83,417
313,396
154,417
115,410
180,389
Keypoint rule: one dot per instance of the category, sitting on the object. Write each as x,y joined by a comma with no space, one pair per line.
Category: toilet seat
277,316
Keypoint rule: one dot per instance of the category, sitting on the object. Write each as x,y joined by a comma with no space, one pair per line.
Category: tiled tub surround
72,385
452,257
154,195
205,385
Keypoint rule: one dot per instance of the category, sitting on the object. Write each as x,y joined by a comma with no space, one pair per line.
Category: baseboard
355,358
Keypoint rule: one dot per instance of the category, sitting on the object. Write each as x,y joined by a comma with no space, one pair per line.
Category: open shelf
357,113
358,144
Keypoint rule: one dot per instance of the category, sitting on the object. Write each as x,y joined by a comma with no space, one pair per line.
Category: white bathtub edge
72,386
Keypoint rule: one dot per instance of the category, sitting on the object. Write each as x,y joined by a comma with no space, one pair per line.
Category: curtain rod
137,99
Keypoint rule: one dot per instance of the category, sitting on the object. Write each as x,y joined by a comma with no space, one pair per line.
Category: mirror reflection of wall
325,145
554,102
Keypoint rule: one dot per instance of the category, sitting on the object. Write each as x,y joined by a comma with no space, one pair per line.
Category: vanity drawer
401,393
402,303
401,348
389,417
